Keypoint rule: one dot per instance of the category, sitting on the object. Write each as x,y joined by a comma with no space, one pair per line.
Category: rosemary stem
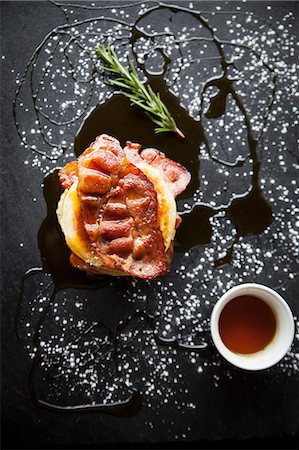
179,133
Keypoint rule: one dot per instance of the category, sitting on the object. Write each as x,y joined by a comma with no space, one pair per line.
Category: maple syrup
247,324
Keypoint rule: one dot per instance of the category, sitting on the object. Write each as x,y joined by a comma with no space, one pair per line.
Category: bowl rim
253,361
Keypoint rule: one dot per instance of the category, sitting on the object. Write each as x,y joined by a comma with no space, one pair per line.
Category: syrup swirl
179,322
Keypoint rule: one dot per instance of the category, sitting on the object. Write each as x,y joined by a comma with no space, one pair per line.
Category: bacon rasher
118,215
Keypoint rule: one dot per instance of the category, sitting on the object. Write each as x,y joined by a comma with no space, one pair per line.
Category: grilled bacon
121,208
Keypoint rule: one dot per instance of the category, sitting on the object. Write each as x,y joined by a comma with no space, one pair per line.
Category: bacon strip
176,176
118,211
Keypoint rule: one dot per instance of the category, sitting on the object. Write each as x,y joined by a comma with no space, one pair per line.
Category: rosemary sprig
139,93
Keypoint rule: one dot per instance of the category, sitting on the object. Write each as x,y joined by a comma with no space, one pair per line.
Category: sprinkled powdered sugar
160,329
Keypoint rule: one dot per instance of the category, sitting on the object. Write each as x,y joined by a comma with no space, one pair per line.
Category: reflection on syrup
249,213
125,408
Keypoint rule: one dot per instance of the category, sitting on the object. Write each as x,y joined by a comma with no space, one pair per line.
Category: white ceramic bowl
282,340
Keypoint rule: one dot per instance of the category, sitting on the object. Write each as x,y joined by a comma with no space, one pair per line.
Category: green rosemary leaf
139,93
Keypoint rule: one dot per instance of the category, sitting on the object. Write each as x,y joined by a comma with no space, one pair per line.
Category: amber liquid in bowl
247,324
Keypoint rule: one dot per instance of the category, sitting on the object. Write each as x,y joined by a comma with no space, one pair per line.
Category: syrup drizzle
116,117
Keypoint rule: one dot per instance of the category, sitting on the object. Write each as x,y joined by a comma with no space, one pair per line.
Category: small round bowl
282,340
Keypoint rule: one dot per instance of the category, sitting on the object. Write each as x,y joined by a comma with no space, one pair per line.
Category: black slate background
269,411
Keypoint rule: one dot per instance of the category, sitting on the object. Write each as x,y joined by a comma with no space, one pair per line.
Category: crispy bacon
132,152
118,208
176,176
68,174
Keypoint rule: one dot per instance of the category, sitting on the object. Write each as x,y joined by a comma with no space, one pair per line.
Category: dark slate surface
262,406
